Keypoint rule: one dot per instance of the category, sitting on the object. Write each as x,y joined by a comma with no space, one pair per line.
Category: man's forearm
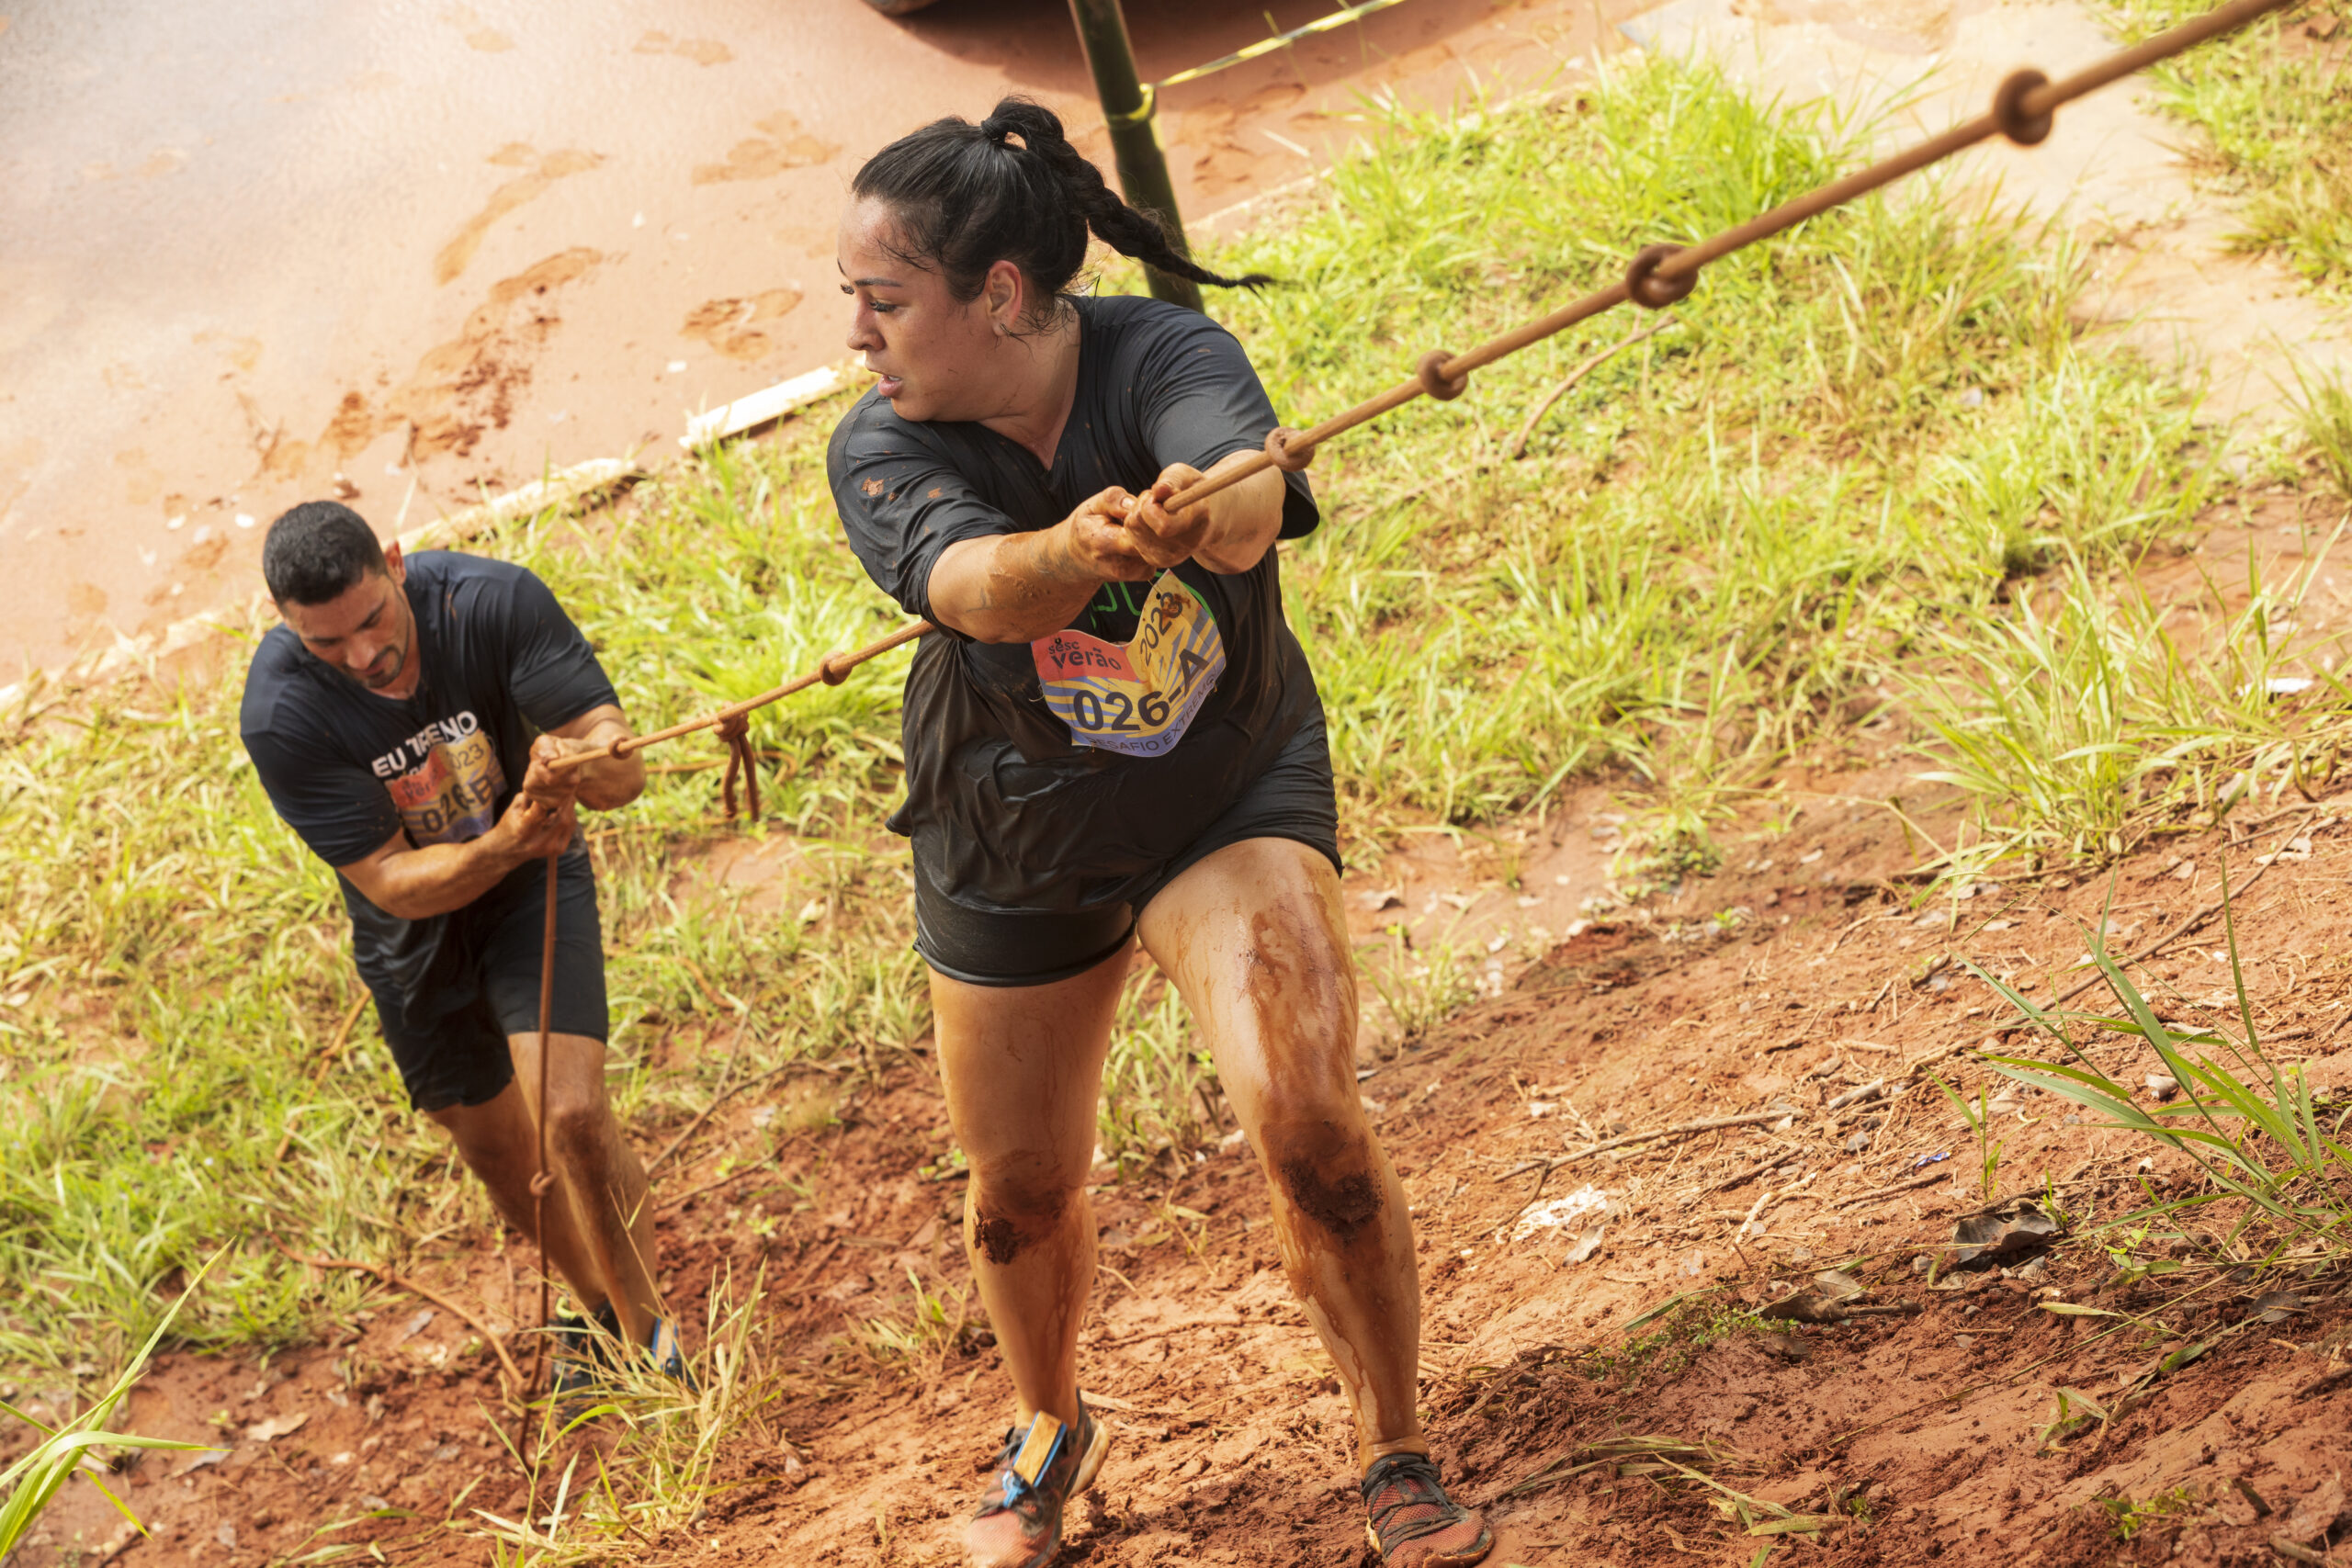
416,885
608,783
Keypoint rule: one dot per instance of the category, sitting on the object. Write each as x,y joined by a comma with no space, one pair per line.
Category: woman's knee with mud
1014,1202
1332,1176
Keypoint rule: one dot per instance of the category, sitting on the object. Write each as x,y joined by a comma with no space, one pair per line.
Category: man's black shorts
1292,799
451,1047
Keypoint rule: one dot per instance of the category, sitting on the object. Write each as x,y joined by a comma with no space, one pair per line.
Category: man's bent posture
391,719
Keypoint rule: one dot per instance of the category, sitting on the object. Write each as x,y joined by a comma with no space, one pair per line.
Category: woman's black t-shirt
1062,774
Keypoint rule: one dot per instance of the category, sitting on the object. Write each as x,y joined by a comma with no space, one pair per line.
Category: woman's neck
1041,383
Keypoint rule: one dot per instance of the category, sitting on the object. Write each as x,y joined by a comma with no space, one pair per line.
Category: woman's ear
1005,295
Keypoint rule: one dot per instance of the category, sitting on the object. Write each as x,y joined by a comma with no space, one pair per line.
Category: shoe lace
1406,1500
1011,1487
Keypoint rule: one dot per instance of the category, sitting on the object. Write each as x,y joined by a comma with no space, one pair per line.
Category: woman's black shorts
1293,799
451,1047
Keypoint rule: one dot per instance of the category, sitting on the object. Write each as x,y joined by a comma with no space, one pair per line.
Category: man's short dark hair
317,552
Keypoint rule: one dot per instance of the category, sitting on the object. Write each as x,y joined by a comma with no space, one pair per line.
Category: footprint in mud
784,145
732,326
467,386
1224,160
478,34
701,51
545,170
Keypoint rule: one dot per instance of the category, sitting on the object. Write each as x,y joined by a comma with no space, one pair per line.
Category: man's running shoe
668,1354
1414,1524
1020,1521
575,1371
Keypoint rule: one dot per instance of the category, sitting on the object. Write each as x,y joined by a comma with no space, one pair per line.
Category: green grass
2324,410
30,1484
1857,440
2277,107
1722,534
2079,724
2262,1139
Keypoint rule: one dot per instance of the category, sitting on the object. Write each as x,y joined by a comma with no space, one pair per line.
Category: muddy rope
541,1180
2024,109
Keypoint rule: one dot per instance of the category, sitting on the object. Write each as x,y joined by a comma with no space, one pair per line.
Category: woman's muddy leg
1253,938
1023,1068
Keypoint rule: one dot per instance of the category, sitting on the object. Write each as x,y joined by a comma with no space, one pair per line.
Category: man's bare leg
499,1142
598,1175
599,1228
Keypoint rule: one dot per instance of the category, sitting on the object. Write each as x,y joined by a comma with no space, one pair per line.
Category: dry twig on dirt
2195,919
721,1098
1681,1130
1876,1192
328,1057
422,1292
1567,383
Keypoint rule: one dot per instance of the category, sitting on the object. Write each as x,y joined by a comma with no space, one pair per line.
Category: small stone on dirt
1988,1241
2317,1514
1833,1285
2278,1306
276,1426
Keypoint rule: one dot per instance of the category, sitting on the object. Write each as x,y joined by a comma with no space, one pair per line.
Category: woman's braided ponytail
967,198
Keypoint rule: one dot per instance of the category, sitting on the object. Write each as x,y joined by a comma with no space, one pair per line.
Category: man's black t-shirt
1062,774
347,769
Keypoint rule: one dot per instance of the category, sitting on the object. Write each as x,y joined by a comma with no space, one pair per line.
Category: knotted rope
2024,109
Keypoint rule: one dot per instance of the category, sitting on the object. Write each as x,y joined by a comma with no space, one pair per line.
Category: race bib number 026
1139,697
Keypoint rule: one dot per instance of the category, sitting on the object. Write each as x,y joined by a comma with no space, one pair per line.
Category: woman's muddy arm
1020,587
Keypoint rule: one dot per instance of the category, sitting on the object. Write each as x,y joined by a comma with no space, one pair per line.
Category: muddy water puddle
403,252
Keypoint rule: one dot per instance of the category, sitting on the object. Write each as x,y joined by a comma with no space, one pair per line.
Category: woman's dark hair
317,551
967,198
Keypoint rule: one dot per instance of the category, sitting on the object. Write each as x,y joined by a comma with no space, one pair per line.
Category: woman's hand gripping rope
2023,110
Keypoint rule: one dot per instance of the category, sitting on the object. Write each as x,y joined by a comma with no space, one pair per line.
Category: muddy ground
1807,969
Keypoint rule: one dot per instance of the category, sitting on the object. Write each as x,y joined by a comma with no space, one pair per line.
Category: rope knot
743,761
1279,453
835,667
1431,370
542,1184
2009,111
1646,288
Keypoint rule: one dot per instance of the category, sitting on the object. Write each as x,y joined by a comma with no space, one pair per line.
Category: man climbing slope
391,719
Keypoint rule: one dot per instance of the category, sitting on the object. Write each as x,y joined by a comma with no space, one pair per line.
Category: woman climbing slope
1117,739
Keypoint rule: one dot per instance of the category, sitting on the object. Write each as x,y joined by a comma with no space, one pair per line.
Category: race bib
1139,697
452,796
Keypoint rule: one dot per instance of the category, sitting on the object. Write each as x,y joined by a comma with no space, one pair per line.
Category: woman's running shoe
1039,1471
1414,1524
